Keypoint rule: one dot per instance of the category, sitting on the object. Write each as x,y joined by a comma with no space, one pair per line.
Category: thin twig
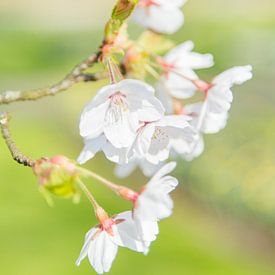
75,76
16,154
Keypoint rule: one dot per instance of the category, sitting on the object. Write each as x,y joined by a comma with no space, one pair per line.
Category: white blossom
179,65
115,113
219,96
154,202
161,16
101,242
211,115
154,139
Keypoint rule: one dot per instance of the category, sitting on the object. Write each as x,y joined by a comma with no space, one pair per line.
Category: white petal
196,150
159,144
212,122
235,75
163,19
196,61
92,119
132,86
183,57
141,99
164,170
148,107
177,51
157,154
154,202
88,239
102,252
126,233
92,146
143,140
117,155
180,87
153,205
177,121
163,94
147,168
124,170
147,230
219,99
120,127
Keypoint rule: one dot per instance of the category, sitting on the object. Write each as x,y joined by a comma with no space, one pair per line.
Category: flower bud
57,175
121,12
123,9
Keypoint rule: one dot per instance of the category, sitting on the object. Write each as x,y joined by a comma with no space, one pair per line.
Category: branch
75,76
16,154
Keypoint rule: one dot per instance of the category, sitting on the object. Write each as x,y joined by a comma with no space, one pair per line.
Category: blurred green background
224,220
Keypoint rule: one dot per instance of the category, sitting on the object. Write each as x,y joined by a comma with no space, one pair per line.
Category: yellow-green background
224,219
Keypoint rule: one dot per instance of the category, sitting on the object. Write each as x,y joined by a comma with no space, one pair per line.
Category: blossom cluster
137,124
135,229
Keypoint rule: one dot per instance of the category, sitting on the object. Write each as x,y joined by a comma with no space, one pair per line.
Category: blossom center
160,134
107,224
118,106
118,100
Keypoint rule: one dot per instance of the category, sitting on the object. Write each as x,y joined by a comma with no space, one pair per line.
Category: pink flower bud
57,175
65,163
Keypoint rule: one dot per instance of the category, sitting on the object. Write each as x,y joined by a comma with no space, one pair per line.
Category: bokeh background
224,219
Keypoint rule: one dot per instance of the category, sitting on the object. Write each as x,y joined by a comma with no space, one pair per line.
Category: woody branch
17,155
75,76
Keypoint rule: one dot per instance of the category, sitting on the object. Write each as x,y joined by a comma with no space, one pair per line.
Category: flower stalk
114,187
88,194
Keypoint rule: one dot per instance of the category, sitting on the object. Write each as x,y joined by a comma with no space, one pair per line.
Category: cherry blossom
211,116
116,112
153,203
101,242
161,16
179,65
218,93
154,139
